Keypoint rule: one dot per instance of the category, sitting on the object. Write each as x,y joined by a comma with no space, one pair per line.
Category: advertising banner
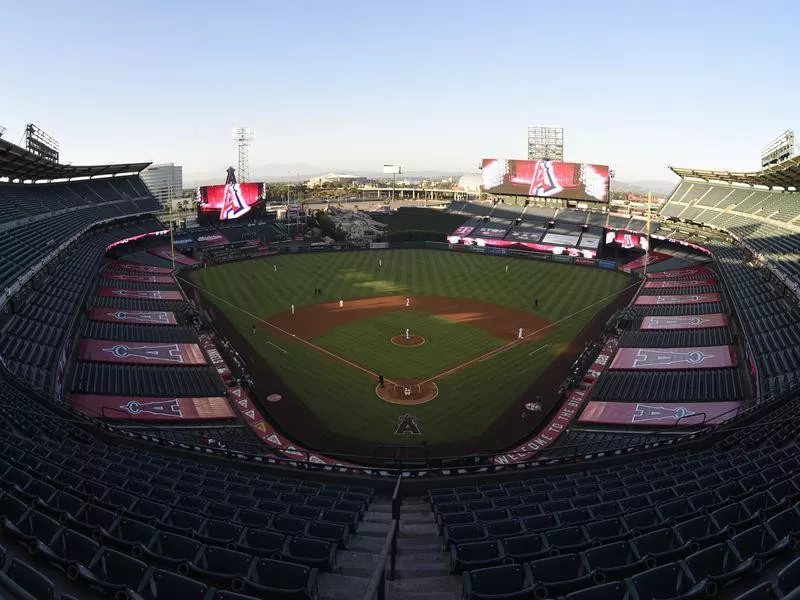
683,299
674,359
699,272
212,239
140,278
142,317
140,294
153,409
706,321
648,259
657,414
141,353
671,283
123,265
165,252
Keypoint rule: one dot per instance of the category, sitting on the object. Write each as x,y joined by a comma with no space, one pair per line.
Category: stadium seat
218,566
476,555
672,580
763,591
505,528
523,548
785,523
279,579
721,564
506,582
111,571
24,581
660,546
616,560
330,532
700,530
461,534
127,533
760,542
567,539
170,549
557,575
310,552
607,530
613,590
68,547
32,528
166,585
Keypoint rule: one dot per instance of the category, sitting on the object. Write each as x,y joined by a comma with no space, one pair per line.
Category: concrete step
424,530
449,584
366,543
358,564
336,586
412,547
400,595
368,528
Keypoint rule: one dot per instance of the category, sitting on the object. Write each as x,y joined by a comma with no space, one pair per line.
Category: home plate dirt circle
407,392
408,342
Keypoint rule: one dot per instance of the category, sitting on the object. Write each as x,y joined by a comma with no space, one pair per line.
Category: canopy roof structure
783,175
18,163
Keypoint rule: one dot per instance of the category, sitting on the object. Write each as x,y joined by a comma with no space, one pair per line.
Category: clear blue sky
425,84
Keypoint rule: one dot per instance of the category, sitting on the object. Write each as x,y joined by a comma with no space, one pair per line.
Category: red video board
141,353
674,359
682,299
124,408
545,179
659,415
706,321
231,201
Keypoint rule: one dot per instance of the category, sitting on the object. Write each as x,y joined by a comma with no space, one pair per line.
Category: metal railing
376,587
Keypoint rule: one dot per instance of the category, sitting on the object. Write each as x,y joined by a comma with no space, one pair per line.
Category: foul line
443,374
278,347
286,333
524,339
539,348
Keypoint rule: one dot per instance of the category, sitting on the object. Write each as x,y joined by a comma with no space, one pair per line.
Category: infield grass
468,400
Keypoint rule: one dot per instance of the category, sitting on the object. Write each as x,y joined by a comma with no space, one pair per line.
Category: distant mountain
658,187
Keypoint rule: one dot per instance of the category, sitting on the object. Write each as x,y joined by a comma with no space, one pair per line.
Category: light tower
242,136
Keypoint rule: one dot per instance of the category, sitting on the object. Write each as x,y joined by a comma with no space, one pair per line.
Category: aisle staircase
422,570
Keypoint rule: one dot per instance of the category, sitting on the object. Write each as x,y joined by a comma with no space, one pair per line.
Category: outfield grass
469,400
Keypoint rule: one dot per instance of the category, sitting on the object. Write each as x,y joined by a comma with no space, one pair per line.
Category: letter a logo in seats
165,352
407,425
648,357
644,412
166,408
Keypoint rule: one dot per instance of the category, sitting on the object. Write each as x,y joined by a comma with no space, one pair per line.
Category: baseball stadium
524,379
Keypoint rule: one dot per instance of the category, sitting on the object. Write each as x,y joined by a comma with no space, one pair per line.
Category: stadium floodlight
2,130
395,170
242,136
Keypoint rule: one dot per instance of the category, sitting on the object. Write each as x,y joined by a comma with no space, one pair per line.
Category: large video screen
545,179
230,201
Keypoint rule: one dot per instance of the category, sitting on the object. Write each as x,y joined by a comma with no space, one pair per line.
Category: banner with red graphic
699,271
141,353
673,359
142,317
682,299
666,283
647,259
706,321
153,409
140,278
140,294
208,346
165,252
124,265
654,414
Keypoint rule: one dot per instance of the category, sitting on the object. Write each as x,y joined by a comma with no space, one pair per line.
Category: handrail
397,498
376,587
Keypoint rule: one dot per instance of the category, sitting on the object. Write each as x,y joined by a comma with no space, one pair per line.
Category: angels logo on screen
164,408
165,352
233,206
648,357
644,412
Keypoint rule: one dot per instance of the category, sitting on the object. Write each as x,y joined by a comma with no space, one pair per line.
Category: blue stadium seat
558,575
526,547
476,555
506,582
616,560
672,580
279,579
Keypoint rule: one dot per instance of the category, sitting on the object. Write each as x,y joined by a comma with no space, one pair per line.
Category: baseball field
457,337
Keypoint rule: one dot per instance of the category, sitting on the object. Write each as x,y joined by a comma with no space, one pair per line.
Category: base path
408,392
502,322
408,342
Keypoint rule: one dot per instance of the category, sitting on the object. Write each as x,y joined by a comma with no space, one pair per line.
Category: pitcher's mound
407,392
408,342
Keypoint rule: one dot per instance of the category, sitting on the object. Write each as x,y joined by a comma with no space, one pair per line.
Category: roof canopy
783,175
18,163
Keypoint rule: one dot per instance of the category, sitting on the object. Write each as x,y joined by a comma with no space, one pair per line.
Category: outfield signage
140,294
701,271
138,278
144,317
666,299
125,408
674,359
705,321
141,353
671,283
654,414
